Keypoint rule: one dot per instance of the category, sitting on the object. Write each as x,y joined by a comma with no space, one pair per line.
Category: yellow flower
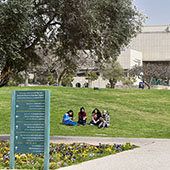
84,154
18,157
65,158
52,163
7,162
96,148
109,150
22,162
58,155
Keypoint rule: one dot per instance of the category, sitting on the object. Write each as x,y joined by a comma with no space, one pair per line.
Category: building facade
151,45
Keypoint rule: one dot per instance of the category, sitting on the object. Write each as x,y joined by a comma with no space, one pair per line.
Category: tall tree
113,72
14,28
101,26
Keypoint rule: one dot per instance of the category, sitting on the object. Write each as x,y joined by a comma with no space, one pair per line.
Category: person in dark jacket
95,118
82,116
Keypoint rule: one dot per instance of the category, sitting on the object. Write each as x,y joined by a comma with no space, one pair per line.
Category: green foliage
50,79
12,83
102,27
128,80
91,75
67,79
133,113
15,27
112,71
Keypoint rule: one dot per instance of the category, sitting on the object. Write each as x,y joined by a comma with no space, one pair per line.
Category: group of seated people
97,119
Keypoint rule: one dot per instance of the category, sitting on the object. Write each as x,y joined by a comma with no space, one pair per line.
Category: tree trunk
61,77
35,77
147,84
4,77
89,83
112,84
26,78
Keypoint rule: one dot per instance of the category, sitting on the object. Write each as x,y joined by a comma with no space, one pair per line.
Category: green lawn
134,113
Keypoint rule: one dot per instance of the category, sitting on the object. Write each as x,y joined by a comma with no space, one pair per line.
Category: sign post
30,124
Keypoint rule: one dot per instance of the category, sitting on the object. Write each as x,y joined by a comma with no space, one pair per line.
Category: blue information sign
30,116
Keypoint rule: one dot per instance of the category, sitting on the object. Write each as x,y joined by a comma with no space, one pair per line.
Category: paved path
153,154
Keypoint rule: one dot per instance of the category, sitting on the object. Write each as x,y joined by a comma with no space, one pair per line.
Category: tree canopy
113,72
102,27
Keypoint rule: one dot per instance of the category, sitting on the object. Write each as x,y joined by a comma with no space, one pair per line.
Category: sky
157,11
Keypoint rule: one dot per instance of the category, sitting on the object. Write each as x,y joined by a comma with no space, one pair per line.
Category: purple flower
91,155
54,151
51,159
65,164
73,159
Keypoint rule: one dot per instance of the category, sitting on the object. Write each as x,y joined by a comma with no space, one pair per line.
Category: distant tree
128,80
112,71
162,72
50,79
101,26
67,79
61,67
149,71
145,73
91,76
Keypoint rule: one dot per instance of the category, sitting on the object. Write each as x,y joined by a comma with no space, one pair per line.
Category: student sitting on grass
105,120
82,116
95,118
68,118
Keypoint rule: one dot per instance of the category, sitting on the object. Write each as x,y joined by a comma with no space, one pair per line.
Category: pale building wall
100,83
135,58
130,58
153,42
97,83
81,80
124,59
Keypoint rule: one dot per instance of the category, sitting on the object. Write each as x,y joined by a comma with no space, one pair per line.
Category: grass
134,113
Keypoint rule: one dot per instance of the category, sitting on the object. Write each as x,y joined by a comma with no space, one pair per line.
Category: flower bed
60,155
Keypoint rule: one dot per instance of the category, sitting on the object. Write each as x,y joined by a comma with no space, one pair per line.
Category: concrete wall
153,42
97,83
130,58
